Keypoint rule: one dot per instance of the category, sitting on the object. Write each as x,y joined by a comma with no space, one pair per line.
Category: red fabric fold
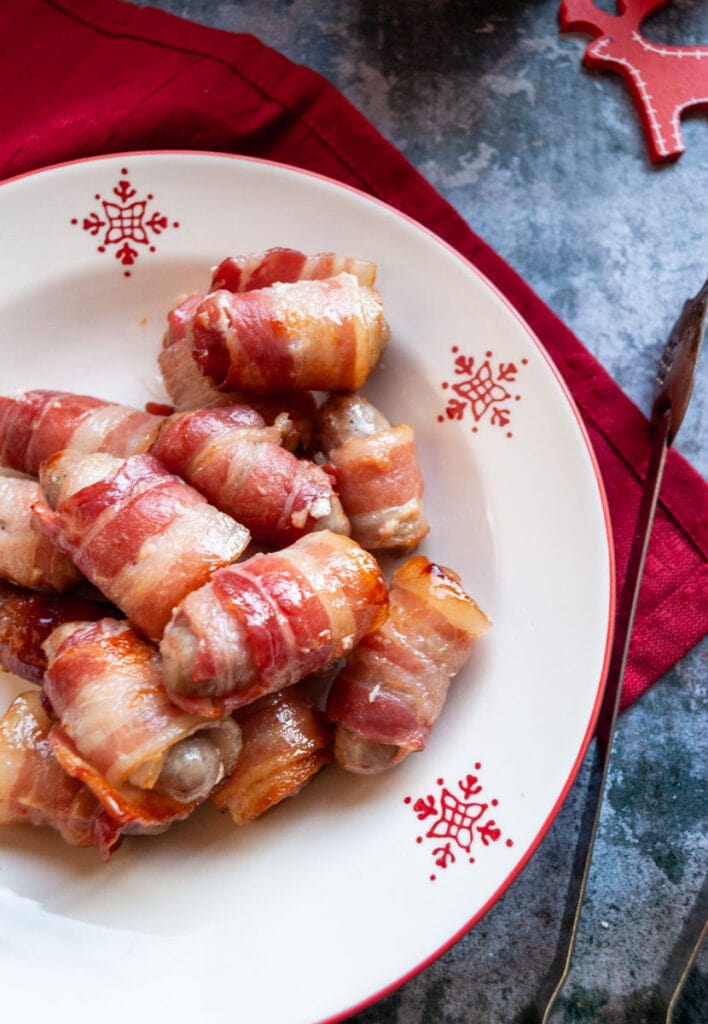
87,77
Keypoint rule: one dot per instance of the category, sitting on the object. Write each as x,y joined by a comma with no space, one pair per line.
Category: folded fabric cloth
89,77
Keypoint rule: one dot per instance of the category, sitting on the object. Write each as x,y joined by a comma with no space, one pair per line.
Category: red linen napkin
86,77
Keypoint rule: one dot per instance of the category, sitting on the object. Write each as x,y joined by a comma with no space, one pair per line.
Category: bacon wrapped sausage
266,623
280,264
36,424
27,617
146,760
377,473
286,740
144,537
235,461
293,412
35,789
188,388
27,557
307,335
394,684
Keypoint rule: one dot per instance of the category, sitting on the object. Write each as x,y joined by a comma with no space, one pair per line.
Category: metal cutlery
675,379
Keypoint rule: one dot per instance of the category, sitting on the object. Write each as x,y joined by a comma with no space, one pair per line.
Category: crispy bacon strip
27,557
286,740
146,760
269,621
36,424
307,335
394,684
237,463
144,537
27,617
377,474
35,789
280,264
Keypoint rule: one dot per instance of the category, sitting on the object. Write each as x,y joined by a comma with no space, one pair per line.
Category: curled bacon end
286,740
35,789
144,758
127,805
27,618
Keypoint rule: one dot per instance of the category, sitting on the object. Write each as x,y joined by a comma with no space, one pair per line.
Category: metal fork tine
685,952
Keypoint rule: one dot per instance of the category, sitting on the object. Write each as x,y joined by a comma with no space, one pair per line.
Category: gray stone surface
547,162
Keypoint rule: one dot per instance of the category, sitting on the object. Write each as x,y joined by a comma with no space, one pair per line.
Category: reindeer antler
586,16
638,10
664,80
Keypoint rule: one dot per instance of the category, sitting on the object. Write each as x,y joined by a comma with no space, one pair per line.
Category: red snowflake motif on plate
128,221
457,821
486,391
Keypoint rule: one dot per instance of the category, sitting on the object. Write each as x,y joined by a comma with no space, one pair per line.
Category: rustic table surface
548,163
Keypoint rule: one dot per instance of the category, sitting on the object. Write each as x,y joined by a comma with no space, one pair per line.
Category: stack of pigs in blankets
193,591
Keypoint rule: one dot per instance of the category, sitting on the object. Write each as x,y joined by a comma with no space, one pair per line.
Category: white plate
335,896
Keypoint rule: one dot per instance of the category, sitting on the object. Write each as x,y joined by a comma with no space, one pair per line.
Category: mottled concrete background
548,163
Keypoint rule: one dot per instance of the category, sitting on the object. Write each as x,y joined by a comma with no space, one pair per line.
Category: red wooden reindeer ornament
664,80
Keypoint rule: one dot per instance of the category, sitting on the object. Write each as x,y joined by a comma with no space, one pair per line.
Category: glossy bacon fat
280,264
377,474
269,621
286,740
145,759
27,617
36,424
27,557
144,537
309,335
394,684
35,789
235,461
